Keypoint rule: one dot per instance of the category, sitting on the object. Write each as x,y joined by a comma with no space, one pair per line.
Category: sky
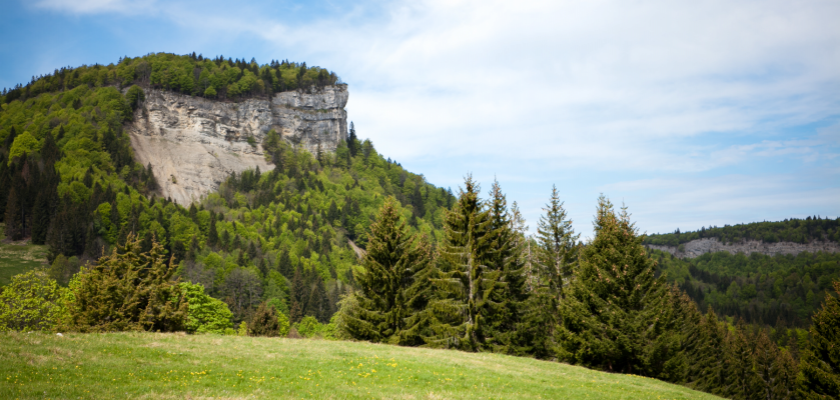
690,114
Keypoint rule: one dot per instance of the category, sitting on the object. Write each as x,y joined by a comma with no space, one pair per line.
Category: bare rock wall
696,248
194,144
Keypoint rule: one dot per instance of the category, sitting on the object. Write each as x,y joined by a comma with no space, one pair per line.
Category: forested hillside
68,179
790,230
782,290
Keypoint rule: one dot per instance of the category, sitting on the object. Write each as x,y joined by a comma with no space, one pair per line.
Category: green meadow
178,366
19,257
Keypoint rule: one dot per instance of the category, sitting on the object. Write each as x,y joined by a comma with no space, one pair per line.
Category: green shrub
206,314
264,322
309,327
32,302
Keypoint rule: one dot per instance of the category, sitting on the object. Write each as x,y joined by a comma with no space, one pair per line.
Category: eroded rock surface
696,248
193,144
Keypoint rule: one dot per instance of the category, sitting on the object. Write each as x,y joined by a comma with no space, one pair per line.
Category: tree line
795,230
599,305
190,74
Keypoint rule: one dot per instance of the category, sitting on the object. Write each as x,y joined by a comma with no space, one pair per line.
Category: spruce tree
614,309
264,322
740,375
705,351
468,280
389,288
505,310
819,366
129,290
557,253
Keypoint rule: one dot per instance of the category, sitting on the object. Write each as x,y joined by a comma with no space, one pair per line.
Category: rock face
194,144
696,248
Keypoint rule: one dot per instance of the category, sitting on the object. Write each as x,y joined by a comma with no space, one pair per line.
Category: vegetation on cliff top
790,230
190,74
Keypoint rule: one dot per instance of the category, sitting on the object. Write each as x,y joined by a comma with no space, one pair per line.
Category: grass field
19,257
177,366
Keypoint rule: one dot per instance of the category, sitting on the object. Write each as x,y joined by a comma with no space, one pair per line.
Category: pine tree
505,310
299,297
352,141
389,288
557,251
614,308
819,366
467,282
264,322
13,219
740,375
129,290
704,352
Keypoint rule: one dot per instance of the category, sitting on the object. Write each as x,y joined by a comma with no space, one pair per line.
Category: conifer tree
557,252
299,297
264,322
740,375
704,352
820,362
506,307
468,280
128,290
389,288
614,309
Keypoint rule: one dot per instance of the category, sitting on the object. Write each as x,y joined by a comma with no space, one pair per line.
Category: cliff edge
194,144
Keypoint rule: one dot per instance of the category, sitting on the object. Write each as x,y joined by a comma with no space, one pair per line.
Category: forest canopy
790,230
191,74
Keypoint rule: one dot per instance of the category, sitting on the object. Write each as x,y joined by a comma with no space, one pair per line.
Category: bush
309,327
128,290
206,314
264,322
32,302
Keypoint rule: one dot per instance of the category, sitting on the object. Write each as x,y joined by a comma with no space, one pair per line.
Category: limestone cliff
193,144
696,248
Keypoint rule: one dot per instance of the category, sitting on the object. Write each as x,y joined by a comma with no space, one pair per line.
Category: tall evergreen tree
389,289
505,310
557,252
613,311
468,280
820,362
704,349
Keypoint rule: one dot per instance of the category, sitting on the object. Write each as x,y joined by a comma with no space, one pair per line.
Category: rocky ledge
696,248
194,144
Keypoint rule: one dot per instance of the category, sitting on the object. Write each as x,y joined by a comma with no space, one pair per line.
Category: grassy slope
164,366
18,258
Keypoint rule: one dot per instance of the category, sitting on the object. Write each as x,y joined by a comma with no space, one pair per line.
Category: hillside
793,230
169,366
779,291
69,179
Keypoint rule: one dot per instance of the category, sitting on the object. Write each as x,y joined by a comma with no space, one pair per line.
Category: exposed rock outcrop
696,248
194,144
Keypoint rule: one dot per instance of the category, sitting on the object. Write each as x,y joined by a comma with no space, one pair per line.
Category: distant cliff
698,247
194,144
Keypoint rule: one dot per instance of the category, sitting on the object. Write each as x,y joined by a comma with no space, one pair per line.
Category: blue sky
690,113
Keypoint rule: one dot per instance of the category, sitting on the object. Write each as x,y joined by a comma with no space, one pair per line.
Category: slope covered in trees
781,290
68,179
790,230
